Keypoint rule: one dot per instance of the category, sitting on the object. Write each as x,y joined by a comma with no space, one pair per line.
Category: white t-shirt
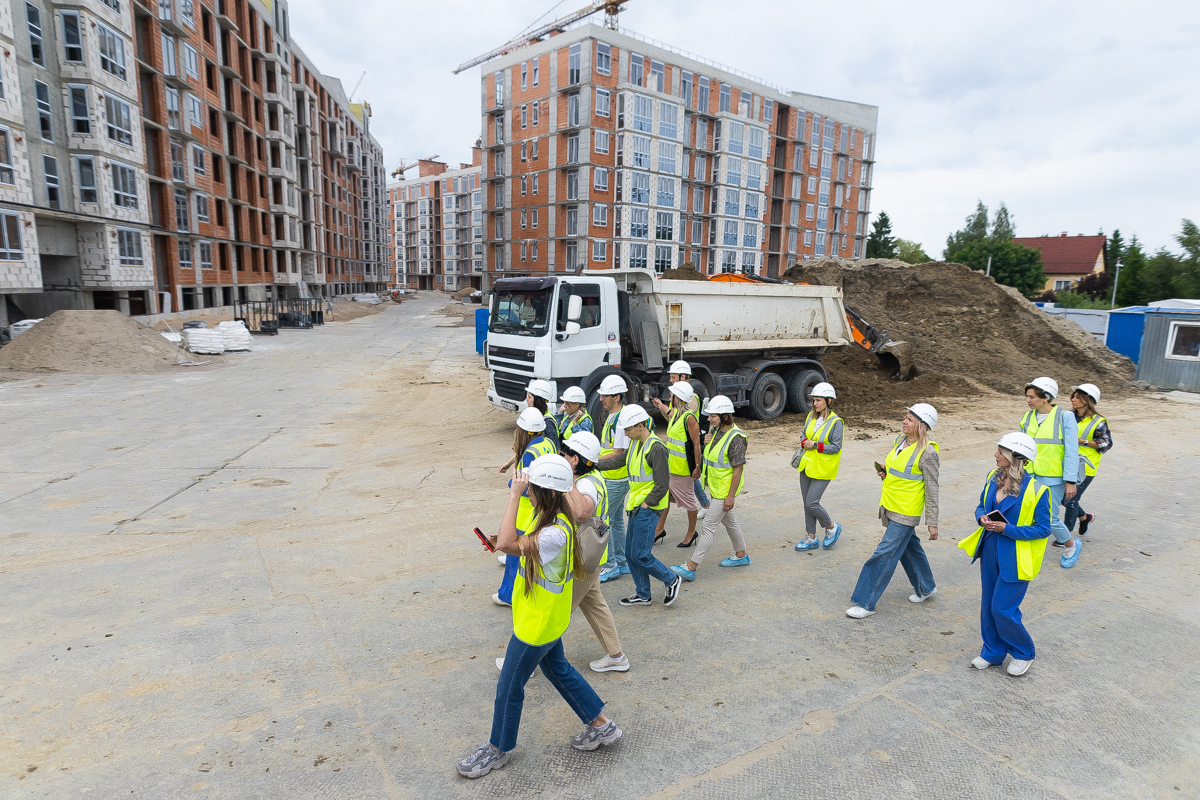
552,549
620,440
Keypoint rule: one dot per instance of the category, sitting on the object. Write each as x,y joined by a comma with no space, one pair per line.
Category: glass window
125,194
823,196
637,256
733,171
603,102
185,253
573,110
753,175
50,169
182,217
112,51
33,18
643,110
120,128
640,188
600,179
808,238
685,89
600,215
603,58
733,202
1183,341
536,71
641,151
736,132
170,63
174,117
666,157
195,112
599,253
129,246
729,260
202,207
191,60
756,143
662,257
72,39
81,121
601,142
637,64
573,184
666,192
573,148
731,233
668,120
42,92
749,263
752,205
85,166
725,95
639,223
664,226
573,58
704,98
750,234
198,159
6,168
10,237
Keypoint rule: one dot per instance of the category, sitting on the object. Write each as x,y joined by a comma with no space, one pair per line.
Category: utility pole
1113,303
989,267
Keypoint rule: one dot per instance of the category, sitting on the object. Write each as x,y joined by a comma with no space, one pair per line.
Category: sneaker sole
675,591
595,743
479,773
614,668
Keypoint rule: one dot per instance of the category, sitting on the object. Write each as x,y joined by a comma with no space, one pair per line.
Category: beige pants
586,596
717,515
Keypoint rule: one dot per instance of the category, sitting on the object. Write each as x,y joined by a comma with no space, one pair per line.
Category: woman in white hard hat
681,373
910,487
539,394
613,444
683,457
528,444
575,416
550,562
1095,439
822,445
1057,436
1009,551
724,465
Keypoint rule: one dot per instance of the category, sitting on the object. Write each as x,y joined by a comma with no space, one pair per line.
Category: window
187,10
191,61
196,112
205,249
524,75
536,63
125,193
602,142
808,238
524,185
796,186
637,64
525,115
572,220
639,223
812,187
202,208
599,253
600,179
768,110
752,205
637,256
729,261
733,202
1062,286
733,171
704,99
573,110
10,237
731,232
662,257
828,134
535,251
666,157
85,167
603,102
198,159
641,152
737,132
170,63
819,248
603,58
600,215
33,18
174,119
185,253
572,184
666,192
668,120
50,170
750,234
120,128
643,109
182,217
72,38
822,218
639,190
724,97
756,143
697,231
178,163
81,121
112,52
43,106
753,176
573,59
749,263
573,148
685,89
536,106
534,216
823,196
129,247
524,217
499,95
535,183
6,168
792,241
845,130
664,226
1183,341
657,75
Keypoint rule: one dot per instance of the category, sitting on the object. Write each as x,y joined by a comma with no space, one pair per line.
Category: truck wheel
800,388
769,397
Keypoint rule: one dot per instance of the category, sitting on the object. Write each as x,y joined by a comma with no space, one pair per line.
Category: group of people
619,486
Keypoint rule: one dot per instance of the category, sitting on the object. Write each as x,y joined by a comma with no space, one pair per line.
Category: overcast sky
1081,116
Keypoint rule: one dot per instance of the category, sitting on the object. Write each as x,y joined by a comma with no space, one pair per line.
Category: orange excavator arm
895,356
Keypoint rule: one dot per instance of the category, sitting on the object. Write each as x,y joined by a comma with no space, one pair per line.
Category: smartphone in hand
995,516
486,542
879,467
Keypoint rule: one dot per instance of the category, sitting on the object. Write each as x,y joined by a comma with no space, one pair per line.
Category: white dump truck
758,343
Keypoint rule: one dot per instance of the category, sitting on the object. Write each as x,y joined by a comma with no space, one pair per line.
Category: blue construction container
1125,326
481,329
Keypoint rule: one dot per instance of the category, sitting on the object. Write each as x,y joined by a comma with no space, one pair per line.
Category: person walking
575,416
528,443
683,457
910,486
1009,553
550,562
724,473
613,444
539,394
649,482
1056,434
1095,439
822,446
681,371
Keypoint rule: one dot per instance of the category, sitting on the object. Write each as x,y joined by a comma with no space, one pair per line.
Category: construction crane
403,168
611,9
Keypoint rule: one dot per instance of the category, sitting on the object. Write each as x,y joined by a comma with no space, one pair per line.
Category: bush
1077,300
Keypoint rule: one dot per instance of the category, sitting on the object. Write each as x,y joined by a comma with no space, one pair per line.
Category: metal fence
268,316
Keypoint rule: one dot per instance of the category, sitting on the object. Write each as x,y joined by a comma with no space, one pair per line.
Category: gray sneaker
484,760
591,738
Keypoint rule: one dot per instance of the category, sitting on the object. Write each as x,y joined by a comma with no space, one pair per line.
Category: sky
1080,116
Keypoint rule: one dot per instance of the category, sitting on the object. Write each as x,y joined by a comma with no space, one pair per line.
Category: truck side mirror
574,309
572,328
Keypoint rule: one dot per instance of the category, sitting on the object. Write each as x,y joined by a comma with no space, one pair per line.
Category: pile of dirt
346,310
89,342
967,329
464,292
685,272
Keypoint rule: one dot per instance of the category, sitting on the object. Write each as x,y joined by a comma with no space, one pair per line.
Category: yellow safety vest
1090,455
641,477
821,466
1051,447
543,615
904,485
1029,551
538,447
677,441
607,436
718,472
571,427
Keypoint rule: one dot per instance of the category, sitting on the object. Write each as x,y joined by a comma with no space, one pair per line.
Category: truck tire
768,398
799,390
701,392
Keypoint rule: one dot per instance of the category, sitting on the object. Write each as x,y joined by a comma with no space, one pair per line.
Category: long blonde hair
548,505
521,440
1008,480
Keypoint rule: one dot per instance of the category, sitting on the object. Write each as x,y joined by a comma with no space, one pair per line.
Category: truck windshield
525,313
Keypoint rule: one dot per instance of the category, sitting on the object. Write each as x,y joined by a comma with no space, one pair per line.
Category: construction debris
90,342
685,272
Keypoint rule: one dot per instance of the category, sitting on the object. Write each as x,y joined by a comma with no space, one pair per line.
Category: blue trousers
616,521
1000,612
1057,528
1074,510
900,545
701,495
511,563
520,660
642,563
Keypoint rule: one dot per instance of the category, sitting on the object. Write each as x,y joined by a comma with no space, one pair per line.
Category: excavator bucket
898,358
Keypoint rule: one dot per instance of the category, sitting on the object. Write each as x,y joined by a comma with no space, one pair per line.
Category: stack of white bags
237,336
204,340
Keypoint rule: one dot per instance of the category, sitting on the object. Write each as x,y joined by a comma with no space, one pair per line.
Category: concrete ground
260,581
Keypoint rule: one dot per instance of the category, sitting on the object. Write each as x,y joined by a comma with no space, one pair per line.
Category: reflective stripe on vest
903,488
542,616
677,441
641,476
1029,551
1090,455
607,434
821,466
718,472
1049,438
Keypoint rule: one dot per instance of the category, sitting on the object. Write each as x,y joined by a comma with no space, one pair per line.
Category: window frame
122,197
112,62
10,223
116,107
84,188
45,110
37,37
130,236
50,171
74,92
6,168
1172,340
77,45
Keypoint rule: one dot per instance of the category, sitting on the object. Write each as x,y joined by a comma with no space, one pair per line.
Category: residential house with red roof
1066,259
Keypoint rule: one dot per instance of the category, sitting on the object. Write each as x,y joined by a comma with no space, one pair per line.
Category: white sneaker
919,598
496,599
500,663
1018,667
503,559
610,664
978,662
858,612
700,514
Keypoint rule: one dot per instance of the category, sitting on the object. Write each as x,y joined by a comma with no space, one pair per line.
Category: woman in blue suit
1009,552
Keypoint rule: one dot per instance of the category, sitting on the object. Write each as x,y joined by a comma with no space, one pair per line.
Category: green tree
1131,290
976,230
1114,249
911,252
881,244
1079,300
1003,228
1012,264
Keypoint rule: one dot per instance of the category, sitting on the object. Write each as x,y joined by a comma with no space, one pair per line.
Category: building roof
1067,255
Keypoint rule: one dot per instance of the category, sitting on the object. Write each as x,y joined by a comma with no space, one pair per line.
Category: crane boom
610,8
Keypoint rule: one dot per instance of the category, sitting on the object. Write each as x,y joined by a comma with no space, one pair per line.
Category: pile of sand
967,331
90,342
346,310
686,272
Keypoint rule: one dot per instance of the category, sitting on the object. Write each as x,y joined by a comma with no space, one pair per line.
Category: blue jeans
616,521
702,496
900,544
1000,611
1060,531
520,660
642,563
1074,510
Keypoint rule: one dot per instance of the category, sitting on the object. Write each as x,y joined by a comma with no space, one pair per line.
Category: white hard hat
824,389
551,471
1091,390
683,390
680,368
1020,443
1049,386
540,388
574,395
632,415
531,420
613,384
585,444
720,405
924,412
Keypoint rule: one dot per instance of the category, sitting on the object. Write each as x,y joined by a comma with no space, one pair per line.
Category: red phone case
485,541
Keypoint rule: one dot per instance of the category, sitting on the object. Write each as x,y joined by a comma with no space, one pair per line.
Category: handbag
796,456
591,537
